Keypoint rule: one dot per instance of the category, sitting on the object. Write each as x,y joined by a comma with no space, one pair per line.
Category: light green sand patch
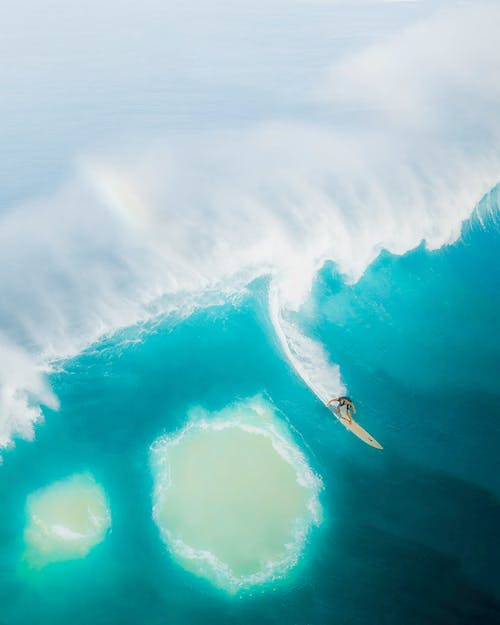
65,520
234,496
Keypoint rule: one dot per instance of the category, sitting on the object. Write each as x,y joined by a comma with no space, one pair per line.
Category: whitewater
237,465
168,225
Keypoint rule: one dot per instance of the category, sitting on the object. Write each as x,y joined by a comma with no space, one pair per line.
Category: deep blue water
410,534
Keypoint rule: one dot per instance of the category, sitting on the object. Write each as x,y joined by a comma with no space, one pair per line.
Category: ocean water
408,535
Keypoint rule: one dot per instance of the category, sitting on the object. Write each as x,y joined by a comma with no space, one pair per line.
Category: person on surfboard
343,401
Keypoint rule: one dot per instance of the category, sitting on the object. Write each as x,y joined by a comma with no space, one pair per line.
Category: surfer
345,417
347,403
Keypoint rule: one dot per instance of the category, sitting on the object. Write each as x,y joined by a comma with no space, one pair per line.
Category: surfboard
357,430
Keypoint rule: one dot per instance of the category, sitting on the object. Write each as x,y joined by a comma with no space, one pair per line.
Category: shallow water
408,535
234,497
65,520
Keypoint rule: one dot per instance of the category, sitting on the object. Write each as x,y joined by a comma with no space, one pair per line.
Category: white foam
307,357
178,496
192,219
65,520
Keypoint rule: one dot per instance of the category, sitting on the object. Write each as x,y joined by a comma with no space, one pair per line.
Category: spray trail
307,357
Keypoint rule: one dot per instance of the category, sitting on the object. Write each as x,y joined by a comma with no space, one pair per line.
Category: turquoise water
409,535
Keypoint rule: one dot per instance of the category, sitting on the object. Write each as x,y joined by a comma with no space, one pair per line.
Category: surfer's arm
331,401
353,407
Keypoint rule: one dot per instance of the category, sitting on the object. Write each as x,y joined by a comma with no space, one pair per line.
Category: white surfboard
356,429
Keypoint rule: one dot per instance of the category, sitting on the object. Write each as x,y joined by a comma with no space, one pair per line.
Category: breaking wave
172,225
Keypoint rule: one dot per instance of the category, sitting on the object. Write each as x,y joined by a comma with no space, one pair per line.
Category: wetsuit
349,405
345,401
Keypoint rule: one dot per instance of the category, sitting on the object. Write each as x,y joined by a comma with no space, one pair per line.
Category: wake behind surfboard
310,362
357,430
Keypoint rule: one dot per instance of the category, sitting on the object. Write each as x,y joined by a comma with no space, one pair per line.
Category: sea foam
156,227
65,520
234,497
